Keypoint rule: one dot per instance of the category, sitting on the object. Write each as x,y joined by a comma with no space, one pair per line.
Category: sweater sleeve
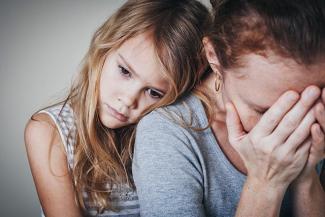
166,169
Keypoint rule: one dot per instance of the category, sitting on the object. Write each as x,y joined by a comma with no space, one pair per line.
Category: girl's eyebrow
127,64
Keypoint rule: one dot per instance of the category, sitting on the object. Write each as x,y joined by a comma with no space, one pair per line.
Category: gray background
41,45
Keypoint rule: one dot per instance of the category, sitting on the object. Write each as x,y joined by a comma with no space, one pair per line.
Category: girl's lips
116,114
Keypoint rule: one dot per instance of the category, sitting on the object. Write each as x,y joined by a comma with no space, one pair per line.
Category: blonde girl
147,54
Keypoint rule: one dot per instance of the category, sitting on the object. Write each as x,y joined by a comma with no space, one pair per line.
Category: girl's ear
211,55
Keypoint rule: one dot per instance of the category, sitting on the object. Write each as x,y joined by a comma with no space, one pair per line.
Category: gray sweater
180,171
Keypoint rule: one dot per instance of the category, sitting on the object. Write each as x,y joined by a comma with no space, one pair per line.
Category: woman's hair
102,157
293,29
289,28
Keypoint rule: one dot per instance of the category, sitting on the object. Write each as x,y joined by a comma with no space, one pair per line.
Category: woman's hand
308,195
317,149
276,150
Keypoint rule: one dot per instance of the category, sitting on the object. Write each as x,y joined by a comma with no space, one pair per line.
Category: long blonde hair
103,156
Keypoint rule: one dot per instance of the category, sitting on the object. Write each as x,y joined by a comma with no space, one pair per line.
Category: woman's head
293,29
262,48
145,55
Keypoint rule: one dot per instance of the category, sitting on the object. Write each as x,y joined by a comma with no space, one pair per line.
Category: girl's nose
130,99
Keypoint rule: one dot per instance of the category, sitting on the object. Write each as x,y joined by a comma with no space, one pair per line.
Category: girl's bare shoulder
41,129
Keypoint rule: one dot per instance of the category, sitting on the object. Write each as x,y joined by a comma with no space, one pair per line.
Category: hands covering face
317,149
287,142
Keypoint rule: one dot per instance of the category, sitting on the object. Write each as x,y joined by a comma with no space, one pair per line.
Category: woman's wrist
308,196
266,190
305,182
260,199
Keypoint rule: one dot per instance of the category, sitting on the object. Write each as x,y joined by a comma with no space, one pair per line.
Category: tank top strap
63,117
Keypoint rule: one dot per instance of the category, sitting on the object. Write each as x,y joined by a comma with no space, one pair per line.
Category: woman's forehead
275,70
264,79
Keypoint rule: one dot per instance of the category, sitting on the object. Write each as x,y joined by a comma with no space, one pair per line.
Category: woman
246,142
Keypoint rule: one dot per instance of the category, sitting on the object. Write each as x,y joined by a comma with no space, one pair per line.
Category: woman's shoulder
185,113
175,128
183,104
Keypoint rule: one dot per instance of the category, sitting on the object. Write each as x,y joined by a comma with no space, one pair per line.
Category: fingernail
313,92
293,95
318,130
320,107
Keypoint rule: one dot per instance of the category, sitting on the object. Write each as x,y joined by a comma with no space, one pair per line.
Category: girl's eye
124,71
155,94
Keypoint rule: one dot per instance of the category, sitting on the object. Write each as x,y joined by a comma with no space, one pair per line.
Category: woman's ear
211,54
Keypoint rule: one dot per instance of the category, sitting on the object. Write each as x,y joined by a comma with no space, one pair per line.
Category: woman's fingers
294,117
274,115
318,142
301,132
320,114
234,125
302,152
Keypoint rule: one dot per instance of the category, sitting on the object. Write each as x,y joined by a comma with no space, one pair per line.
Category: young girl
145,55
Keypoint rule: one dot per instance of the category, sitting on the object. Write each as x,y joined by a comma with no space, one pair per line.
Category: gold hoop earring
218,83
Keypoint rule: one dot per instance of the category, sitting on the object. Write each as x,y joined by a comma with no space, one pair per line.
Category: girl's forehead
139,56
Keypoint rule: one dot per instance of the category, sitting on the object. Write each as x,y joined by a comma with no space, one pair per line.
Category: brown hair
294,29
102,156
290,28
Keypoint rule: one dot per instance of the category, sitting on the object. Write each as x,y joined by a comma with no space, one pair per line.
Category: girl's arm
48,163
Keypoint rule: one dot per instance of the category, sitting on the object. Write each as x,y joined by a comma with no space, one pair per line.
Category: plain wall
42,43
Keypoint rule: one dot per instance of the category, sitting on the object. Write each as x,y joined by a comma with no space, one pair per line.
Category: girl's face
255,86
131,81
